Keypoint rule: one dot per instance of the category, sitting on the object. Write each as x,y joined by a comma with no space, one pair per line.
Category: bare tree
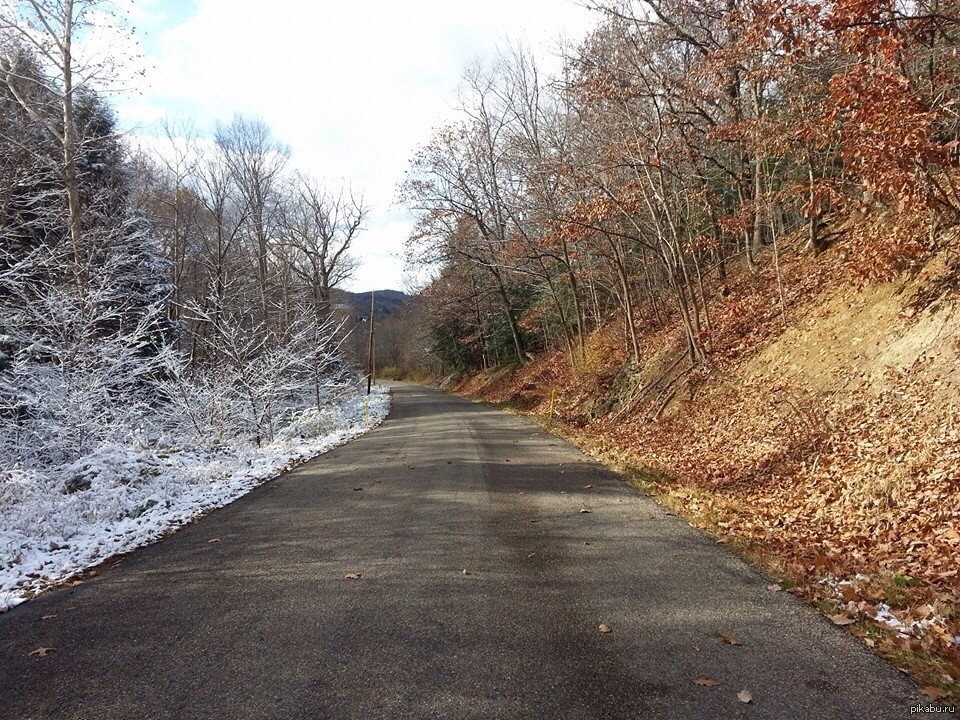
49,30
320,226
257,161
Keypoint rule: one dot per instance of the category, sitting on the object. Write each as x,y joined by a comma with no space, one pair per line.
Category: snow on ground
913,626
51,528
906,623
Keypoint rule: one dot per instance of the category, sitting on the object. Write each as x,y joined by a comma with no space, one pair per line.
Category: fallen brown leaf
706,682
42,651
744,696
934,693
842,620
213,540
352,576
604,628
584,510
728,638
849,593
48,617
774,587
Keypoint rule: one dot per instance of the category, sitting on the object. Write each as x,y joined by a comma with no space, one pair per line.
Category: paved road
263,623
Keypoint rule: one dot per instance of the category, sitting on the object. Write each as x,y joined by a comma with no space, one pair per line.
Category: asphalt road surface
264,624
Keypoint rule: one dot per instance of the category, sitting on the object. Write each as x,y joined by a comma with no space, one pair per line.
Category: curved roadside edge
207,481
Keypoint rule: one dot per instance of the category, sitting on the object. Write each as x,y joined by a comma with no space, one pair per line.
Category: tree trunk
514,329
69,139
575,290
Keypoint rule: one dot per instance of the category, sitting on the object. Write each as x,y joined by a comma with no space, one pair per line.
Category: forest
682,138
167,330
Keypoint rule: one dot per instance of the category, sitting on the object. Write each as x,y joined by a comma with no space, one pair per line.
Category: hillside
823,443
385,302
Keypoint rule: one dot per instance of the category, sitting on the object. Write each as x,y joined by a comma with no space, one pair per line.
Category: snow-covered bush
80,356
109,436
125,495
165,341
253,381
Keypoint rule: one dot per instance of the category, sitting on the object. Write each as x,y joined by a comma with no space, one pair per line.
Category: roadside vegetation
167,334
720,247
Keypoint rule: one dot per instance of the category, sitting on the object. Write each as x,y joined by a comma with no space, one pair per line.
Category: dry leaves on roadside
844,468
842,620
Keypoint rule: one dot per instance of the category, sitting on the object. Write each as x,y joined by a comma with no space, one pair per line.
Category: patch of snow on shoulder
57,523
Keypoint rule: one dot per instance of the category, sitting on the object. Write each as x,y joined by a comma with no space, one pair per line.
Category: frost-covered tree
256,161
82,294
255,380
319,227
47,74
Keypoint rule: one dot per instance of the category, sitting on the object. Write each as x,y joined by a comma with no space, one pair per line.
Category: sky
352,87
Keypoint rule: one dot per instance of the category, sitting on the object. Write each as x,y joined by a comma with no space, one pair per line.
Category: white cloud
351,87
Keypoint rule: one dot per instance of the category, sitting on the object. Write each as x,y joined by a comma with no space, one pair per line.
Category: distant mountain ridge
385,302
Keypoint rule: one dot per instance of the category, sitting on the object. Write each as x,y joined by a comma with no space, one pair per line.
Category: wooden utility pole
371,363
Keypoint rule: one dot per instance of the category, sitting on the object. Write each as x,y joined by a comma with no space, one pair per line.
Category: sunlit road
482,584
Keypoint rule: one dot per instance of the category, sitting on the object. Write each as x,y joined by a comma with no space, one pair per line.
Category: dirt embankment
822,439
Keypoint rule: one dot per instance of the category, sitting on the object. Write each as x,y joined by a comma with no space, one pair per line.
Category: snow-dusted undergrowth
58,521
